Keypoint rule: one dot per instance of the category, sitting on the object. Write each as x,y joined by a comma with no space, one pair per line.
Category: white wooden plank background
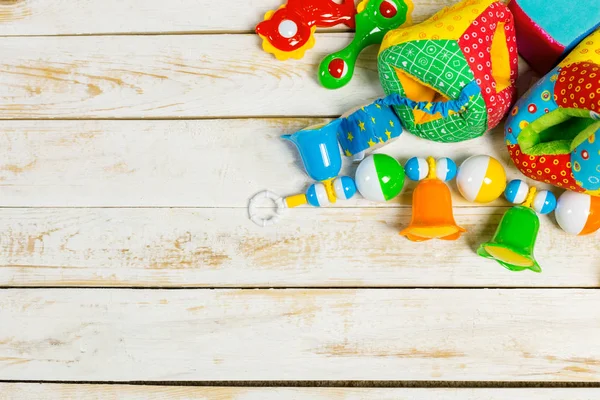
169,77
113,392
311,248
414,334
126,160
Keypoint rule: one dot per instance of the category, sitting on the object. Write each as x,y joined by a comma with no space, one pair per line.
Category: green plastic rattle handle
374,19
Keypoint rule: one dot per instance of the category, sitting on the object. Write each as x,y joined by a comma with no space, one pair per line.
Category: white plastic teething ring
268,221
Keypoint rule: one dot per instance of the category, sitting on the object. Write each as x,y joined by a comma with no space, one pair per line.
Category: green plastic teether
374,19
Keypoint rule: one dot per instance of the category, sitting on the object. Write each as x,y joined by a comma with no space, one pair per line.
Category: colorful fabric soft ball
553,132
467,51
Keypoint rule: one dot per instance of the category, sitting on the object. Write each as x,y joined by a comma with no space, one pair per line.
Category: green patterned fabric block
455,128
439,64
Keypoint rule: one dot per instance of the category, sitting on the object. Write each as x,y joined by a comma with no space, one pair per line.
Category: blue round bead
416,168
516,191
344,187
445,169
544,202
317,195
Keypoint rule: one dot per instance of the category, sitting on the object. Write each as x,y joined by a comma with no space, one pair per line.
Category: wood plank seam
424,384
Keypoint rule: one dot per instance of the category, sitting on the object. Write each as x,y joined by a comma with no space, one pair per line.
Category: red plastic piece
289,28
388,9
337,68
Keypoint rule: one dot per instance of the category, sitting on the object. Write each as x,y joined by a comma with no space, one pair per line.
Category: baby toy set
448,79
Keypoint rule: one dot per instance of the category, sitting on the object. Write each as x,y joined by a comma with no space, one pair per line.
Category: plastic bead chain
518,192
481,179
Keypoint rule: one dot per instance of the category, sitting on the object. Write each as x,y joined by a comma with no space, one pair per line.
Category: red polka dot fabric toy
469,45
553,132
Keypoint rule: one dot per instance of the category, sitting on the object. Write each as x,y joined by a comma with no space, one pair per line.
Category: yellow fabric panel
587,51
419,91
500,59
422,117
414,89
448,24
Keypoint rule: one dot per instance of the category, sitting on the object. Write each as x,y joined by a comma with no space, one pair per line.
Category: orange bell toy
432,216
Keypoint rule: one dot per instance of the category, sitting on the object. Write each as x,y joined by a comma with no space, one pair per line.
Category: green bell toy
374,19
514,242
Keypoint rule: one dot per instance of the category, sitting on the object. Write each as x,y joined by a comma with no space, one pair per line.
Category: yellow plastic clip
431,163
296,200
530,197
329,190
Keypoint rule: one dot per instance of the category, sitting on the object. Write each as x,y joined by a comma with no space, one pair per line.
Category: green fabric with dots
441,65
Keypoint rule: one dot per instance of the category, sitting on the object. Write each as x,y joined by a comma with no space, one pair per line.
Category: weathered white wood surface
200,163
9,391
168,189
410,334
311,247
172,76
65,17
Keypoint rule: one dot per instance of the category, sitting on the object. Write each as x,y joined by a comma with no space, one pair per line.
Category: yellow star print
391,123
380,140
350,137
428,106
388,134
361,125
348,154
377,105
371,143
373,120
